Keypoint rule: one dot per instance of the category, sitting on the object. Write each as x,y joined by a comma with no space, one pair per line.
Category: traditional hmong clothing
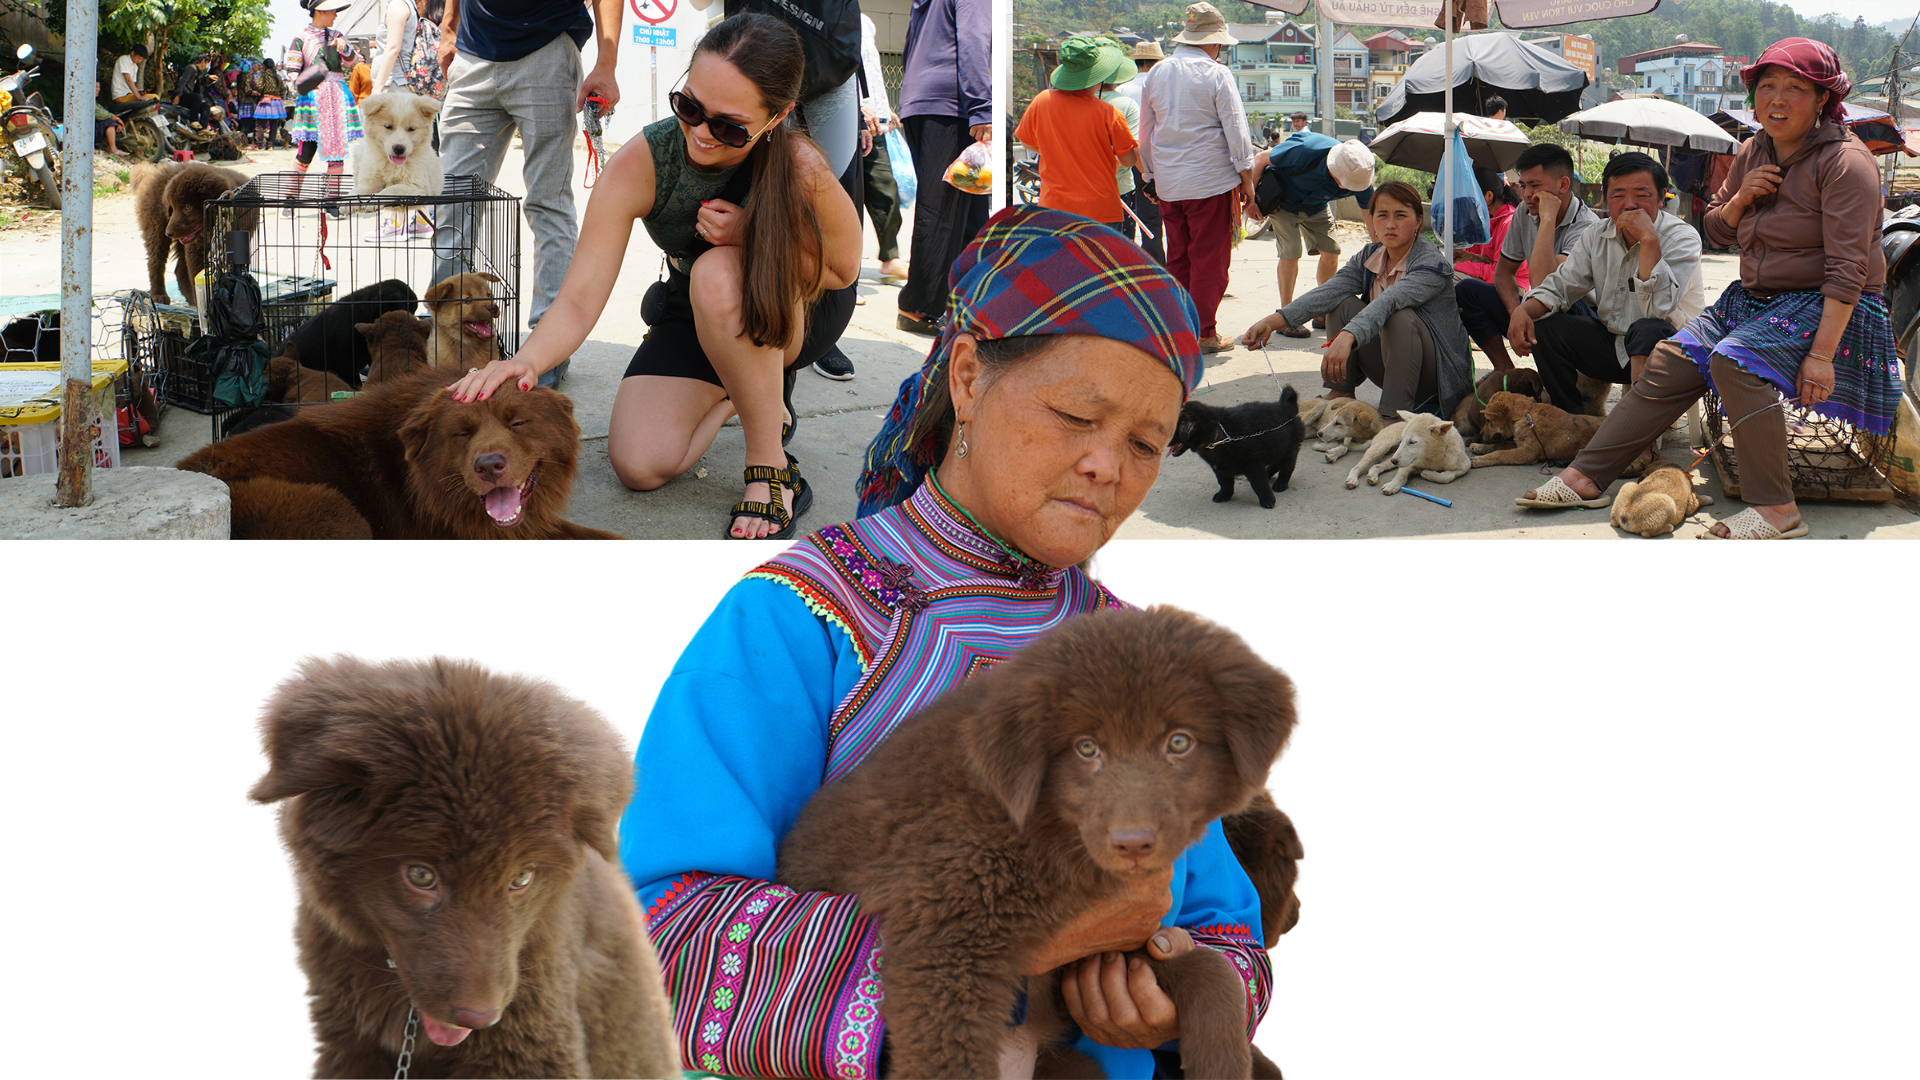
803,668
327,114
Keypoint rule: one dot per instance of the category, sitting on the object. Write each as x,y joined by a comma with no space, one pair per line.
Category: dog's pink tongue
397,159
503,503
443,1034
480,329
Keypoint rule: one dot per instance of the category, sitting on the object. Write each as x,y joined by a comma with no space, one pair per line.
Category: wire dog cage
314,244
123,330
1827,459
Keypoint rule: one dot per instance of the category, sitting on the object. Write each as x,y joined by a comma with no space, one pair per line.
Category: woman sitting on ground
1391,316
1806,319
1047,426
762,247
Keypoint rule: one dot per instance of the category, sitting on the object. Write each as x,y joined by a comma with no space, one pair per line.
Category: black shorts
672,345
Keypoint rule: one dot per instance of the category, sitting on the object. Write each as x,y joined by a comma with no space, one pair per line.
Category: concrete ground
837,419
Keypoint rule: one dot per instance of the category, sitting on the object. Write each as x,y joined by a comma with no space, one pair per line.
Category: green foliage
183,28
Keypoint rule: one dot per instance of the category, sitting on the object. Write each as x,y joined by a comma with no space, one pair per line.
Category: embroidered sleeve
296,60
767,981
1249,958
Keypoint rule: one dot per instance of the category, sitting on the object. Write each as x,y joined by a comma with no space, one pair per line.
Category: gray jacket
1427,288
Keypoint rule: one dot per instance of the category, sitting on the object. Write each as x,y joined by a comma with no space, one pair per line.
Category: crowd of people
1613,299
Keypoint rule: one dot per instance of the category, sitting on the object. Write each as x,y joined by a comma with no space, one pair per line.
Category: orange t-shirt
1079,139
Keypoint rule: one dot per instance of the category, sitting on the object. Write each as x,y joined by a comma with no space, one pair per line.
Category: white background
1570,810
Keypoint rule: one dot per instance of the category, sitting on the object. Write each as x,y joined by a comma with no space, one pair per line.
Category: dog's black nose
490,466
475,1018
493,311
1133,843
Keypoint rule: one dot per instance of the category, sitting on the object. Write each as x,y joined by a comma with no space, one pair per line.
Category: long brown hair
779,228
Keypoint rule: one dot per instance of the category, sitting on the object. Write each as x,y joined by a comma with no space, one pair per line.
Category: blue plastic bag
901,161
1469,207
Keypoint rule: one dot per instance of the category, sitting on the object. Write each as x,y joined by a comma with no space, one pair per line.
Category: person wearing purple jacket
946,103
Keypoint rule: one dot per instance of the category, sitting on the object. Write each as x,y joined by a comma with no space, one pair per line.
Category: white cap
329,5
1351,165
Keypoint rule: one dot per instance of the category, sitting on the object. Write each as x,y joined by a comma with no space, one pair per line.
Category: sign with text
1529,14
653,12
665,36
1382,12
1579,52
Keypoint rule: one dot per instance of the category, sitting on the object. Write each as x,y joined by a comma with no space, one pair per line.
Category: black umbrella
1537,84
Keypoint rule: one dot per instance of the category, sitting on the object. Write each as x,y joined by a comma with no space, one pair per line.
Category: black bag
829,34
235,356
1266,190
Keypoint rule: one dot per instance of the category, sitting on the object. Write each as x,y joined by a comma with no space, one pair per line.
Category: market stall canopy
1536,83
1418,142
1873,126
1514,14
1650,122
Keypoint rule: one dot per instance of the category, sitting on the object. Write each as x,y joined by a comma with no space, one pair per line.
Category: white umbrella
1419,141
1650,122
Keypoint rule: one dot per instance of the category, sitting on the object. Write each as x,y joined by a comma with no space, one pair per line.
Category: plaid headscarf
1813,61
1036,272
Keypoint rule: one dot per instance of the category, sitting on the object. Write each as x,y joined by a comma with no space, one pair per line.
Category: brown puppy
416,464
463,312
983,823
1656,504
287,381
170,203
452,833
1264,840
1523,381
398,343
1539,432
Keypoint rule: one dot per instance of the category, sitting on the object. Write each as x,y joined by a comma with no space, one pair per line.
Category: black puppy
329,342
1258,440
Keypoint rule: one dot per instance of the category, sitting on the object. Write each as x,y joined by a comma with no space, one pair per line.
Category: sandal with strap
1749,525
775,508
1556,495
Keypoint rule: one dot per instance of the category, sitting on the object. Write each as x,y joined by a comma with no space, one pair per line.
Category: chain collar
406,1043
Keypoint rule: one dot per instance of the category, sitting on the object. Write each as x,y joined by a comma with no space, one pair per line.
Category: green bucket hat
1086,62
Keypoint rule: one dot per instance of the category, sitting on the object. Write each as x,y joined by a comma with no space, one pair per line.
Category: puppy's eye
1087,748
521,880
519,424
1179,743
421,877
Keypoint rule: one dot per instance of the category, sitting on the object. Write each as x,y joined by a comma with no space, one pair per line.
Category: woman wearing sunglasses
762,245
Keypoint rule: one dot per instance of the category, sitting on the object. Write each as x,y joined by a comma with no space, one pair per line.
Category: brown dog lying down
404,461
1539,432
1656,504
287,381
453,835
1029,794
398,343
1523,381
169,202
464,334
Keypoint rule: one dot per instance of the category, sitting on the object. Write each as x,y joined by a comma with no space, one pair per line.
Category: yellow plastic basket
30,417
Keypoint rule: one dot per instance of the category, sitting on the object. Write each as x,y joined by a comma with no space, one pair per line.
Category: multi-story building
1350,72
1694,74
1273,65
1582,52
1388,55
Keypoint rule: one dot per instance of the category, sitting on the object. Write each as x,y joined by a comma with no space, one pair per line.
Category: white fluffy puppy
396,155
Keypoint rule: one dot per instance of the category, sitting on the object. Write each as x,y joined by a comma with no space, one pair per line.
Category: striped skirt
1770,337
326,116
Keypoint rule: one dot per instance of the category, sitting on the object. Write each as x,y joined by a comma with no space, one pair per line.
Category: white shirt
1601,265
876,99
126,69
1193,129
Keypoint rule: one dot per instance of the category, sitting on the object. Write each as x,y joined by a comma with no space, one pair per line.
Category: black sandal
786,398
774,509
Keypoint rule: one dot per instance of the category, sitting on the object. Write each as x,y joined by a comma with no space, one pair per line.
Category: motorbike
144,129
30,131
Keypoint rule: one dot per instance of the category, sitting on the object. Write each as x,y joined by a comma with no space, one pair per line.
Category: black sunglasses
728,132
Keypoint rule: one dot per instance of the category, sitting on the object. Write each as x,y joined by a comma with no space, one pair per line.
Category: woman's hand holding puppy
478,384
1117,1001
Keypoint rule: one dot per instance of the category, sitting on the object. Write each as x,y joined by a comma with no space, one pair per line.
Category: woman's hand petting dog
1120,924
479,384
1116,999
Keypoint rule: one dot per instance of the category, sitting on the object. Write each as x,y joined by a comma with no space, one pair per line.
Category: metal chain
406,1046
1277,385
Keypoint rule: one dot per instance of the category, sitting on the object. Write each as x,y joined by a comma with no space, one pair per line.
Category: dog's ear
368,330
1441,429
419,424
1408,416
1254,703
601,773
430,106
311,754
487,276
1004,736
447,288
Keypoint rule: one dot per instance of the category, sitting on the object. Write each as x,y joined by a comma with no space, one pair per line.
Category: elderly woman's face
1060,447
1786,104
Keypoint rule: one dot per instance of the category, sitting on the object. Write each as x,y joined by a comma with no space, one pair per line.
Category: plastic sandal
774,509
1556,495
1749,525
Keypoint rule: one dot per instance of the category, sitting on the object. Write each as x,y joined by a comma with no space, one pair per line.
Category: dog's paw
1222,496
1267,503
1352,483
149,440
1480,462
